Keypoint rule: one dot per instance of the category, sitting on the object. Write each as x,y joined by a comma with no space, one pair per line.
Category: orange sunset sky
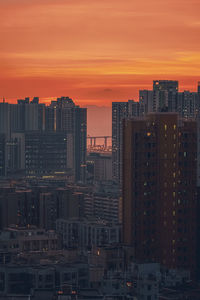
96,51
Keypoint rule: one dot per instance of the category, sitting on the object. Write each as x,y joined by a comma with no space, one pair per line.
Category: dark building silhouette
159,189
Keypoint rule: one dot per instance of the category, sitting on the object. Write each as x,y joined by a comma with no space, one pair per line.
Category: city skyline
99,150
96,52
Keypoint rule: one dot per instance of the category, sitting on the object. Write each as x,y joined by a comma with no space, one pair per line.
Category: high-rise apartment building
45,153
188,105
159,189
146,102
165,93
63,115
2,155
120,111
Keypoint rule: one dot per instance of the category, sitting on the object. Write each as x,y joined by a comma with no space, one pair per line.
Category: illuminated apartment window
174,175
174,194
174,126
174,213
185,154
148,133
173,242
165,126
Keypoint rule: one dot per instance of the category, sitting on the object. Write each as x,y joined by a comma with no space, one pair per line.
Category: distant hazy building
120,110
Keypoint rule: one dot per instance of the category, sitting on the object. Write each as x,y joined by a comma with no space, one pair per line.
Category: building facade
159,189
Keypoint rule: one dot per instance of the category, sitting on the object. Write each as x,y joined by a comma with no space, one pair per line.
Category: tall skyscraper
120,110
64,115
159,189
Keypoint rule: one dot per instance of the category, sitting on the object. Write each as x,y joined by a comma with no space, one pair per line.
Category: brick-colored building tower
159,189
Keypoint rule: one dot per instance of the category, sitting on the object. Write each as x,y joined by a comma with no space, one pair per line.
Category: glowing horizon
96,52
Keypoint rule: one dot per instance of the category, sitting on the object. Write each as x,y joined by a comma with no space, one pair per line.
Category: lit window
165,126
174,126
